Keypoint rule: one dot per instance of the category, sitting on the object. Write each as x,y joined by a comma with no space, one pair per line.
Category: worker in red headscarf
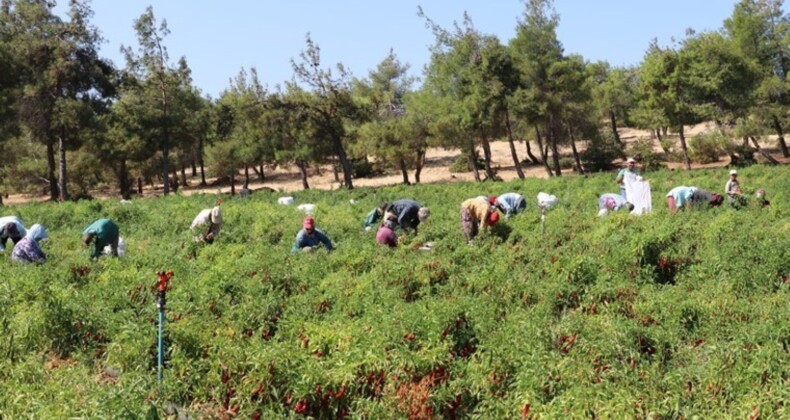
475,212
309,238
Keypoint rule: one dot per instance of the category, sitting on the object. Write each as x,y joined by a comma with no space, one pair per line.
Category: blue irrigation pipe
164,278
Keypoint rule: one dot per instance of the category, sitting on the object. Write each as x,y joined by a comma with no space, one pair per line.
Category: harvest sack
637,192
547,200
285,200
308,209
121,248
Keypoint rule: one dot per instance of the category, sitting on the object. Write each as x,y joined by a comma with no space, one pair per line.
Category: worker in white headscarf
207,224
28,249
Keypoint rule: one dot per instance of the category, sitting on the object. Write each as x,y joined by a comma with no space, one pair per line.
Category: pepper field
657,316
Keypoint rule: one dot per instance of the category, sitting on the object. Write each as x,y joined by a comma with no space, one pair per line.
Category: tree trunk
201,163
123,180
683,146
404,171
665,131
661,142
576,159
53,183
532,157
302,165
347,171
555,154
473,159
490,174
233,183
176,184
513,153
194,168
62,178
419,165
765,154
335,172
543,153
140,185
781,137
166,165
261,175
613,119
184,175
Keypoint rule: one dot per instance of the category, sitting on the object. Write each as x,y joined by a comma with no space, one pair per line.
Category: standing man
630,168
733,189
309,238
102,232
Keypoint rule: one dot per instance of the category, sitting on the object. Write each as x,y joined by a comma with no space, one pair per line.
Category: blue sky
218,38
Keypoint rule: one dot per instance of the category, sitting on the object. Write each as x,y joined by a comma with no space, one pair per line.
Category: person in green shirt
102,232
374,216
629,169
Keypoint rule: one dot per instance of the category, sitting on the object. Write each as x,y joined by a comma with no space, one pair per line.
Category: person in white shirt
207,224
733,189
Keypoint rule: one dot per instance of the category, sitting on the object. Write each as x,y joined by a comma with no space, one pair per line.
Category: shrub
741,156
462,163
706,147
363,168
567,162
642,150
599,155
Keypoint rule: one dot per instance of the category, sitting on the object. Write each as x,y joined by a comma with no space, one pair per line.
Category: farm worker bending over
409,213
474,212
102,232
733,189
11,227
629,169
374,216
386,234
210,221
612,202
511,204
309,238
685,197
28,249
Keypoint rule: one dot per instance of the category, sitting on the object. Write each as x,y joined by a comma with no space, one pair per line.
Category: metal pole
543,219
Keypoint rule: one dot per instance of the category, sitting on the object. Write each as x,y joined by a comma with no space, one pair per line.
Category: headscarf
37,233
216,215
423,213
